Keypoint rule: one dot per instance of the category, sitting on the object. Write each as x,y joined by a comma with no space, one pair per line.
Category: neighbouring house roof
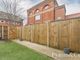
76,15
7,16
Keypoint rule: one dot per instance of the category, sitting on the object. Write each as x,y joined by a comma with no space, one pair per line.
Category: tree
12,8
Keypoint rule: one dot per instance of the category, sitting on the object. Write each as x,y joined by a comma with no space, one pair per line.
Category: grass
14,51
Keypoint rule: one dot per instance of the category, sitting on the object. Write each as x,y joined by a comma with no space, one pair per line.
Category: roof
5,16
10,20
73,16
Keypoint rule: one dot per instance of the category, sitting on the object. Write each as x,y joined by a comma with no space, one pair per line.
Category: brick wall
60,13
46,12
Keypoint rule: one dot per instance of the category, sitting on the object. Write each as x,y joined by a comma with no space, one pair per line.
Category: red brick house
48,10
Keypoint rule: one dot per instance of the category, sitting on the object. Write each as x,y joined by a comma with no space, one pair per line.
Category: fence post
48,35
2,32
21,33
31,33
8,31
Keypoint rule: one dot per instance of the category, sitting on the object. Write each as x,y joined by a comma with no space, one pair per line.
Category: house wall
60,13
45,14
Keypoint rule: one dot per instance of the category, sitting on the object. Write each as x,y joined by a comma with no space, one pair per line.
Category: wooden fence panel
23,33
78,35
19,32
64,34
54,34
12,32
43,34
28,33
75,35
32,33
36,33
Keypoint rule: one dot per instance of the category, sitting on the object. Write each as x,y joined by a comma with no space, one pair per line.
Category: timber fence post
48,33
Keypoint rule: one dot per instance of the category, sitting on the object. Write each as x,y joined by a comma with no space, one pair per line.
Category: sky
72,6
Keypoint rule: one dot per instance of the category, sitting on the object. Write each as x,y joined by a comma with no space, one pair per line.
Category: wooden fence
9,32
13,32
59,34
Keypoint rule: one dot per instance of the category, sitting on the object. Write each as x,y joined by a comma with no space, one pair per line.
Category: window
46,7
36,11
37,15
2,21
30,14
59,18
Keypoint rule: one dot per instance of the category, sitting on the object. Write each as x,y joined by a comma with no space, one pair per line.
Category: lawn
14,51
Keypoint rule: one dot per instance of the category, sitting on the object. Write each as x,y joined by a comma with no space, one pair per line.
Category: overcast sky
72,6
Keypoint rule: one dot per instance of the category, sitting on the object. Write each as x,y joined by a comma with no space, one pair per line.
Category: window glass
37,17
46,7
59,18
